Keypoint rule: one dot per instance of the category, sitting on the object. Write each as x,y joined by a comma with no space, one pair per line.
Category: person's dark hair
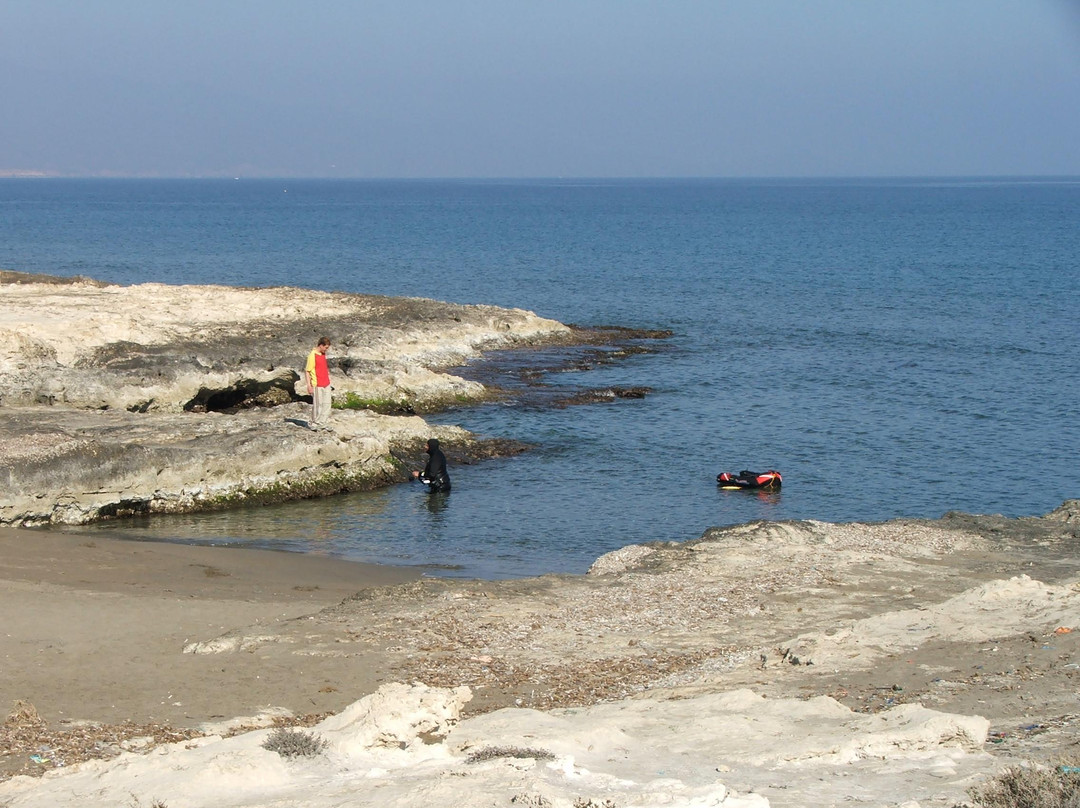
324,341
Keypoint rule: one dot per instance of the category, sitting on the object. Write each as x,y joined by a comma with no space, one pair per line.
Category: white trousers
320,407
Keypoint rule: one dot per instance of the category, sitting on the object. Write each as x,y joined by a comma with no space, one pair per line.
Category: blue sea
896,348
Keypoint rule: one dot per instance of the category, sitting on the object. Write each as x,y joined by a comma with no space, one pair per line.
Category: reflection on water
305,526
766,498
437,502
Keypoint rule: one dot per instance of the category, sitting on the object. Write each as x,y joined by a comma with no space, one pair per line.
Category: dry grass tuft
290,743
29,746
1031,786
519,752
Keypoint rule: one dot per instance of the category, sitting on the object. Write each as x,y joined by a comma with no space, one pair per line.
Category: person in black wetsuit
434,473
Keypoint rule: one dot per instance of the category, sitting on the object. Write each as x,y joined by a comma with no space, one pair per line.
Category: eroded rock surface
152,398
154,347
871,614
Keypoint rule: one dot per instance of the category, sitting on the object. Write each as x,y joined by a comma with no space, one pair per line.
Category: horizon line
42,175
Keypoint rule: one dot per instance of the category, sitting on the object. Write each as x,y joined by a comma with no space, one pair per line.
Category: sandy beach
960,630
92,627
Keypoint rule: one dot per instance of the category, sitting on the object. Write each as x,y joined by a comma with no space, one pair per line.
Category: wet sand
93,628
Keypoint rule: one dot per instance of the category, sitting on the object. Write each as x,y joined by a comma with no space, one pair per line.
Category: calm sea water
895,348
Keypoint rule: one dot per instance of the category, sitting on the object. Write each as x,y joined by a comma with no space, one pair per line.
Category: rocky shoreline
766,665
121,400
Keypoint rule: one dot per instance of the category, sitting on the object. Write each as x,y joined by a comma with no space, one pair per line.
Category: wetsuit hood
432,445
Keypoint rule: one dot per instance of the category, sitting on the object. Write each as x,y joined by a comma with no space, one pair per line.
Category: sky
540,88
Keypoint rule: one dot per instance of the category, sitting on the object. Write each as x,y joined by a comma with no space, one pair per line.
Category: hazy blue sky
540,88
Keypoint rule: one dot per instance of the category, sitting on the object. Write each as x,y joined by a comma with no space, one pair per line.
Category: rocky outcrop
120,400
1069,512
61,466
158,348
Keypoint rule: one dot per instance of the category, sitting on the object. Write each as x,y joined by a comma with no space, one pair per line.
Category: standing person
318,385
434,473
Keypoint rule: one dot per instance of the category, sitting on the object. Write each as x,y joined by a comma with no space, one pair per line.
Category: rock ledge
120,400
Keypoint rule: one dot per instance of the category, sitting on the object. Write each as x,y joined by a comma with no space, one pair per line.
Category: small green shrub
352,401
290,743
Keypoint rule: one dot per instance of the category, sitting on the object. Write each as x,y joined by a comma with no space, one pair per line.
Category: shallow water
895,348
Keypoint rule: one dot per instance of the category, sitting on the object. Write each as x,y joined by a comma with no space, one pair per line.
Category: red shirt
316,365
322,373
